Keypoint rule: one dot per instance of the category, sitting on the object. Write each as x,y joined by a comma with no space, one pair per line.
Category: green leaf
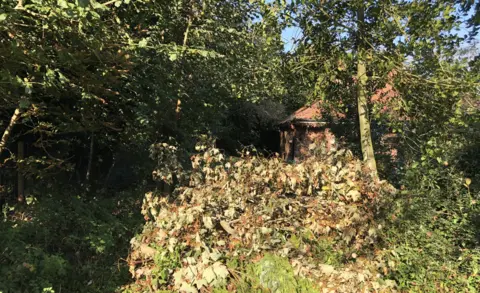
3,16
83,3
143,43
62,3
24,104
173,56
468,181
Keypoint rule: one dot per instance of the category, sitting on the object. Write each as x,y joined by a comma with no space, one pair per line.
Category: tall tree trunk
20,176
8,130
365,132
110,170
90,160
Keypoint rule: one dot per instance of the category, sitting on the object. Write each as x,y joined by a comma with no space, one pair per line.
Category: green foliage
433,223
98,83
130,72
246,123
435,232
272,274
424,89
67,244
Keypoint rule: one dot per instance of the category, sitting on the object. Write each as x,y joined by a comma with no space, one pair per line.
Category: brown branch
21,8
108,125
8,130
109,2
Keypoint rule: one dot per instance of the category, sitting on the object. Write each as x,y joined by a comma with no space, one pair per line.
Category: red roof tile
312,112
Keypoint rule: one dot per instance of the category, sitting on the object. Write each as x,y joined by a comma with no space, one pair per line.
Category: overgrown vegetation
68,243
94,96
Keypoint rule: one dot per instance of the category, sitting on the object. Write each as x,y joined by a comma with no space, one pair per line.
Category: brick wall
296,143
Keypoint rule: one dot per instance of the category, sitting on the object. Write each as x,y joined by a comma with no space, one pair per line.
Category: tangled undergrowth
253,224
66,243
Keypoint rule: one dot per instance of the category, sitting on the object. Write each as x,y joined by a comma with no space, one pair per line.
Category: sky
289,35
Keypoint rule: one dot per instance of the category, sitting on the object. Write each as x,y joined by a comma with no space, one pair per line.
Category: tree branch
8,130
109,2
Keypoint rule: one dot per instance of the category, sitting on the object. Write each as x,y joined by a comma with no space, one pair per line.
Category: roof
308,115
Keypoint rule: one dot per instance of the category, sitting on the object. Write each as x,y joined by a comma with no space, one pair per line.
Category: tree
91,80
412,41
344,35
362,104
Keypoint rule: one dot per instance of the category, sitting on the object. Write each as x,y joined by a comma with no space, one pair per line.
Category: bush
433,231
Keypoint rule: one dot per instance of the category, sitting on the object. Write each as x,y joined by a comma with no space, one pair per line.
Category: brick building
302,130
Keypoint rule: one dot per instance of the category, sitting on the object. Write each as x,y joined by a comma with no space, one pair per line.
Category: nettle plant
249,206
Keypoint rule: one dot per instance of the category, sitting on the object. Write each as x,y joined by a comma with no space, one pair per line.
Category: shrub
433,232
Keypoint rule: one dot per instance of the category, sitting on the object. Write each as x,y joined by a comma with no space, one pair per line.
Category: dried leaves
245,207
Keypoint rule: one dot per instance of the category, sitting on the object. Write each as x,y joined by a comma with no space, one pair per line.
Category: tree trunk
90,161
110,170
365,132
8,130
20,176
